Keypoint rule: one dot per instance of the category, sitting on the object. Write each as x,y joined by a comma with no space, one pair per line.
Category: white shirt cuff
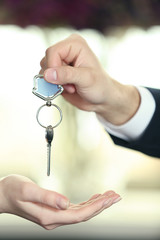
135,127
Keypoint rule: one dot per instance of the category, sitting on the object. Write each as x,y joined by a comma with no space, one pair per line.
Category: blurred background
125,35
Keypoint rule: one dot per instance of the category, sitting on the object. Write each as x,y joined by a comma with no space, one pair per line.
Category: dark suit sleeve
149,142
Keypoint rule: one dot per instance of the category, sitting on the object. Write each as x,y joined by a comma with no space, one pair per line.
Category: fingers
72,51
50,218
95,196
43,63
33,193
96,206
50,209
69,75
111,200
82,212
72,63
64,52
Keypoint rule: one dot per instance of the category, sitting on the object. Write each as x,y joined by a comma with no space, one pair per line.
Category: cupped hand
22,197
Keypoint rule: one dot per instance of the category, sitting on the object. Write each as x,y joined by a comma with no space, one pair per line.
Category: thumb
78,76
47,197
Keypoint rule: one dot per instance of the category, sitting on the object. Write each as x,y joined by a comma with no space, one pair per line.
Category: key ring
49,104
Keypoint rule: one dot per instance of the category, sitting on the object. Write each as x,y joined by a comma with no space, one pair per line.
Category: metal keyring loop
54,105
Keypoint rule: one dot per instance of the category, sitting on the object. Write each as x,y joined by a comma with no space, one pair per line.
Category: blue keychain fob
45,90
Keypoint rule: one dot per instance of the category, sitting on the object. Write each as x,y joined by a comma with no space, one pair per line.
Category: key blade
49,138
48,158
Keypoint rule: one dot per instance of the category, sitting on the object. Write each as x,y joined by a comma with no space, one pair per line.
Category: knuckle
42,63
51,49
47,51
43,221
25,190
49,227
46,227
68,73
76,37
48,199
45,199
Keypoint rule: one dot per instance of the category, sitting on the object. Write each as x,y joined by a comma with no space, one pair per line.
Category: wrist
121,104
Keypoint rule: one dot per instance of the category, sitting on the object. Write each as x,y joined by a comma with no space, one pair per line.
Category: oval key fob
45,90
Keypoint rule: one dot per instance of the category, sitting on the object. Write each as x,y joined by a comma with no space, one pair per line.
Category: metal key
47,92
49,137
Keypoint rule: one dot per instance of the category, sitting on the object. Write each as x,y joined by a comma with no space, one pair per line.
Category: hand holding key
47,92
73,64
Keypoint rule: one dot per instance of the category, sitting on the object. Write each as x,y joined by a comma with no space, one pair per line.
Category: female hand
22,197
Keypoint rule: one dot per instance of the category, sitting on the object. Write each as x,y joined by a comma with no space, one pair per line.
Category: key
49,138
47,92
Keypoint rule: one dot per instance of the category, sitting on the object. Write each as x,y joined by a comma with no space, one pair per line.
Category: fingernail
107,202
54,75
63,204
117,200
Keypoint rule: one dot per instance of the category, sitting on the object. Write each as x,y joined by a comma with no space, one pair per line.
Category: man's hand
72,64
